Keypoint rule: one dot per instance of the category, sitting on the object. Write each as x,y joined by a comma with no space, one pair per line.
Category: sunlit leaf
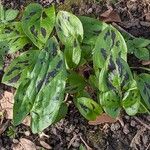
42,92
19,68
92,28
69,28
14,36
109,43
38,23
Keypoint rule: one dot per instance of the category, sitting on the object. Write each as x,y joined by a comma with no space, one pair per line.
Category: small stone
15,141
112,127
127,117
27,133
126,129
133,123
115,127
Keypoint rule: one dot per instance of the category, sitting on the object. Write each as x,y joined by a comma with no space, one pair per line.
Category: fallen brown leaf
7,104
27,121
104,118
26,144
45,145
145,63
110,15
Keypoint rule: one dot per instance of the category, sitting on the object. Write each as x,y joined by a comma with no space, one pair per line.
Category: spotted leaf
69,28
115,75
44,89
109,43
14,36
19,68
88,108
143,81
92,28
111,103
38,23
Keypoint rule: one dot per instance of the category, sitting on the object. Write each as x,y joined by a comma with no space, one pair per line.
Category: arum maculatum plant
81,57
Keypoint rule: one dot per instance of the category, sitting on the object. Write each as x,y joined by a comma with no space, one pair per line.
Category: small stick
88,148
145,125
72,140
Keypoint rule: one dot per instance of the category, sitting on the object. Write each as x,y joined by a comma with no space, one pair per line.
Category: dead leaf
26,145
104,118
4,126
7,104
110,15
27,121
145,63
45,145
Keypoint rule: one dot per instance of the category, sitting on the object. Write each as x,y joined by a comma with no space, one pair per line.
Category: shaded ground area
127,133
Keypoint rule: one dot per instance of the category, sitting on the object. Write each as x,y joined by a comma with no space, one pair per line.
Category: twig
140,121
135,139
88,147
66,97
72,140
122,30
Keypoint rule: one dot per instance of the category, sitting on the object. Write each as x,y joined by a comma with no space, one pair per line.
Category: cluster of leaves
82,57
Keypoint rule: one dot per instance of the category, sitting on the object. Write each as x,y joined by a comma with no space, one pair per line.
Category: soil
129,133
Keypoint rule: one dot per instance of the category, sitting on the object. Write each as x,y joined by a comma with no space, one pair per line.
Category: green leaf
141,42
88,108
109,43
72,55
38,23
143,82
92,28
76,83
115,75
131,99
2,13
42,93
11,14
19,68
69,28
111,103
142,53
3,52
62,112
14,36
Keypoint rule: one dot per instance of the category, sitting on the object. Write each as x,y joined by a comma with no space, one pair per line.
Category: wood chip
104,118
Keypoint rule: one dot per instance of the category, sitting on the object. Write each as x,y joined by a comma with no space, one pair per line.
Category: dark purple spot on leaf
22,62
43,31
12,70
44,15
85,108
106,35
97,32
59,64
104,53
15,79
